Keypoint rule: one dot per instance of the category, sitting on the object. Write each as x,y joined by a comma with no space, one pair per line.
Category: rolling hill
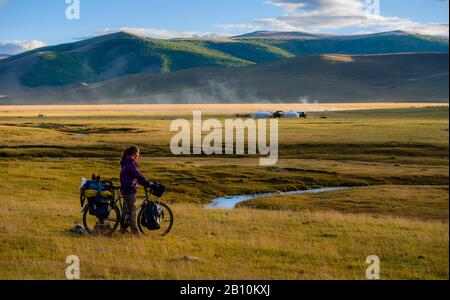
250,50
107,57
324,78
381,43
121,54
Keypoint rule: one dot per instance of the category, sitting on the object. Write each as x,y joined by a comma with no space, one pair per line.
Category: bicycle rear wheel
107,227
167,221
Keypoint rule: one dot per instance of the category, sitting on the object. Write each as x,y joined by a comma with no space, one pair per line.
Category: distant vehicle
278,114
302,115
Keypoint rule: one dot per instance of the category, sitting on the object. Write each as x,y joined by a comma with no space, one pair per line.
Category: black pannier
99,207
151,217
157,189
99,195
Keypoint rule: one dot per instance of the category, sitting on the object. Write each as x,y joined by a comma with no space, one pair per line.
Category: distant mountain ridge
421,77
281,35
122,54
268,35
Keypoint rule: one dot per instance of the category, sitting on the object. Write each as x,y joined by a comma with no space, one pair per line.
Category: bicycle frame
118,203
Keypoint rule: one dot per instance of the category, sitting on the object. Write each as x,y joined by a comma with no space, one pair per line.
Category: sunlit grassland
396,160
240,244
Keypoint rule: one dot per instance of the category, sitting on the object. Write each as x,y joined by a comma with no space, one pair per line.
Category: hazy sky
26,24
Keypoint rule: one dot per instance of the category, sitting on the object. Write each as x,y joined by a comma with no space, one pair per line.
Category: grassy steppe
397,160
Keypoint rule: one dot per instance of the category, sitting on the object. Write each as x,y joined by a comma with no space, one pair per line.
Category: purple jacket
130,176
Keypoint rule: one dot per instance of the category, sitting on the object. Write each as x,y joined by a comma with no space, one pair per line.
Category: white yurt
292,115
262,114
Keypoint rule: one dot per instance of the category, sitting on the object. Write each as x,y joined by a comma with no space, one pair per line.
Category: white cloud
326,15
16,47
161,33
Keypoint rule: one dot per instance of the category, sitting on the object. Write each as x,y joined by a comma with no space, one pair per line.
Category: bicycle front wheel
167,221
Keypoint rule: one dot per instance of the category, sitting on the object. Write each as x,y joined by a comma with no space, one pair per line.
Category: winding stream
230,202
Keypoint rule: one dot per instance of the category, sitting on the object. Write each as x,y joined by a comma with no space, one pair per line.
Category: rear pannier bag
99,196
99,207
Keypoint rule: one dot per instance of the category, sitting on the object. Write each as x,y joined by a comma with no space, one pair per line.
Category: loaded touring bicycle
104,209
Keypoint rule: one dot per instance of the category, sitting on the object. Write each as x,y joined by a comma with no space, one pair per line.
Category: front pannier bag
151,218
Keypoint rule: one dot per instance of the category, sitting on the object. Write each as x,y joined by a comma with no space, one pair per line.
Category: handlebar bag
158,189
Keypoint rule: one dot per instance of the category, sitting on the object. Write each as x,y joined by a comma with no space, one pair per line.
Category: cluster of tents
264,114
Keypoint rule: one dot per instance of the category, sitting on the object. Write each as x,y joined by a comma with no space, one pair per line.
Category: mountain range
291,64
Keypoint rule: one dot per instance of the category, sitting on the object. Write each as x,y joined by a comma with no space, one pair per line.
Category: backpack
151,218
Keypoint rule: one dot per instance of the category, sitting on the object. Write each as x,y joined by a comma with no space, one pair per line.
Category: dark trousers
131,211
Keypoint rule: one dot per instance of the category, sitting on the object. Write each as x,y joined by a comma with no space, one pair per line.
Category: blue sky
26,24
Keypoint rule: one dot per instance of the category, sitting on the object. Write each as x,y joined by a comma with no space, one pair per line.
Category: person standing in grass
130,178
